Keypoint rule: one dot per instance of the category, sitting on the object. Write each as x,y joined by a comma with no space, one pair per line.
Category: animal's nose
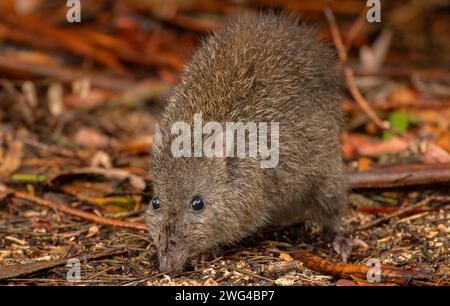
165,264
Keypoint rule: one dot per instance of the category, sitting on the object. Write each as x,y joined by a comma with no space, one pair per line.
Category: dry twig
348,72
26,269
442,199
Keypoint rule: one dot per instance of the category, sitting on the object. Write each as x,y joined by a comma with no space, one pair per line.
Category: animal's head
192,204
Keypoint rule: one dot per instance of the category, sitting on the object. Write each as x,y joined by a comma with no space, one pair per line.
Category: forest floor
79,102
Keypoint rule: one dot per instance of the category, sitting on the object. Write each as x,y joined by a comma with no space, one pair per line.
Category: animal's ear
157,139
215,143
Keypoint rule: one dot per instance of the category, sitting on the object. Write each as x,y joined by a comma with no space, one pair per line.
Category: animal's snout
165,264
171,258
168,263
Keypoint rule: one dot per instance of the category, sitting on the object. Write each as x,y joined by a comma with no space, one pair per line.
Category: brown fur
265,68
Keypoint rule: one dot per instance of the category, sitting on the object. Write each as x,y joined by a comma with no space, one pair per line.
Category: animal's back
269,68
265,67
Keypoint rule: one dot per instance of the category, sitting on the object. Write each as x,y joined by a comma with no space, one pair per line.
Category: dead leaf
372,58
402,94
139,145
55,99
286,257
284,281
101,159
364,163
12,159
435,154
367,146
87,189
91,138
93,230
29,93
444,141
94,98
360,244
442,228
210,282
346,282
27,7
281,267
112,173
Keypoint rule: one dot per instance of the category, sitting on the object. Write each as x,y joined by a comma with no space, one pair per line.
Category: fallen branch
350,271
442,199
401,175
348,72
69,210
26,269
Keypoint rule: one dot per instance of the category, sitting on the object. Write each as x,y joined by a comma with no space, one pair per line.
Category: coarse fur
261,69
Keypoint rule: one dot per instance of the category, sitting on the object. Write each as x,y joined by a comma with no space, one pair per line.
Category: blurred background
85,84
78,104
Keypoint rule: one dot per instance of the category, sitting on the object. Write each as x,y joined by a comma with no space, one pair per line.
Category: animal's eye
156,204
197,204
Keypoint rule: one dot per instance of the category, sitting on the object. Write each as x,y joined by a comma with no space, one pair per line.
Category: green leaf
23,177
399,121
387,135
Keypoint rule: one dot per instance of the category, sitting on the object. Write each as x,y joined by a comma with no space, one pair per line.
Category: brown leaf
281,267
101,159
284,281
55,94
286,257
111,173
27,7
364,163
372,58
367,146
91,138
93,230
402,94
444,141
138,145
12,159
92,99
435,154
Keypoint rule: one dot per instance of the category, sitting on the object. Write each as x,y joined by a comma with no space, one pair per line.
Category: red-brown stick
401,175
349,271
348,72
